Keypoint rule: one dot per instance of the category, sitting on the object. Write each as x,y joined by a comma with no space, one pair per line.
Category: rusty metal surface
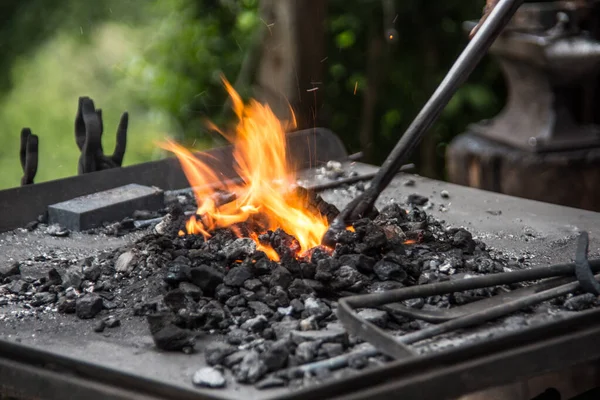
21,205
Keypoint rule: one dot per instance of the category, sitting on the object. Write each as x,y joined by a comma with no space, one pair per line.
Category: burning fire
266,190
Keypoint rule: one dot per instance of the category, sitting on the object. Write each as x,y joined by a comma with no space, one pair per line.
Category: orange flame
260,155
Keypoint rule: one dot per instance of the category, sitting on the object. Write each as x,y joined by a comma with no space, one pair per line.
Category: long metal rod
458,74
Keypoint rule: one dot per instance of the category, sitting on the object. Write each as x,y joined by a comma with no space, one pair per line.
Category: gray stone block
112,205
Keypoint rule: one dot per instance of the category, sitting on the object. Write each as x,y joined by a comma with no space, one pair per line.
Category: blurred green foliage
429,38
162,61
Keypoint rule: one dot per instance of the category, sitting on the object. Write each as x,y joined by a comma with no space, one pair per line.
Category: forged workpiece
91,211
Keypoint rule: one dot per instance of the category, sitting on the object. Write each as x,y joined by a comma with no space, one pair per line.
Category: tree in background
162,59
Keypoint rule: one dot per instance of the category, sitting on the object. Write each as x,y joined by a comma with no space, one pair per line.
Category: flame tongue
260,155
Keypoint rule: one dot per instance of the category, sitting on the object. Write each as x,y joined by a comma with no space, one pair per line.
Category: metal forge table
58,357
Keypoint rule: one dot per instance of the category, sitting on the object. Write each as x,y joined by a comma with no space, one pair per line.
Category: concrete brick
112,205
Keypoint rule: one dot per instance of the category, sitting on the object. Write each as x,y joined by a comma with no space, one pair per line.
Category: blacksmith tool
489,29
567,279
28,155
88,135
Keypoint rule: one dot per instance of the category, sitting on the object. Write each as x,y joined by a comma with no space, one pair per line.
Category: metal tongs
496,15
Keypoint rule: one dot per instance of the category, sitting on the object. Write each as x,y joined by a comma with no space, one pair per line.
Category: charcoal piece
299,287
167,336
416,215
53,278
318,254
280,276
347,237
581,302
180,257
239,249
358,261
206,278
280,297
86,212
100,326
65,305
251,369
349,279
40,299
263,267
270,382
236,301
224,292
374,239
209,377
284,244
212,315
268,334
91,272
306,352
200,256
416,199
253,284
297,305
260,308
316,286
248,295
415,303
112,322
463,238
234,358
236,336
326,269
256,324
330,350
191,290
88,306
317,308
487,266
276,356
322,336
215,352
374,316
387,270
237,276
391,214
178,272
175,300
308,270
284,328
7,270
146,308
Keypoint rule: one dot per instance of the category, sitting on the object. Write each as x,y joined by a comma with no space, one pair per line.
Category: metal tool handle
489,30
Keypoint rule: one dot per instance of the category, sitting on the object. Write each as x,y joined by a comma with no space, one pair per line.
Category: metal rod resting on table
489,30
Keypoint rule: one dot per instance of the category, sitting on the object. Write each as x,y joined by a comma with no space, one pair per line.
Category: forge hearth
236,306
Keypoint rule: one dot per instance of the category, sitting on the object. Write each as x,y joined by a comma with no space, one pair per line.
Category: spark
312,90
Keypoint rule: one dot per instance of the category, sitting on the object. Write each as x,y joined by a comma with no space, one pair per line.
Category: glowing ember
266,193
